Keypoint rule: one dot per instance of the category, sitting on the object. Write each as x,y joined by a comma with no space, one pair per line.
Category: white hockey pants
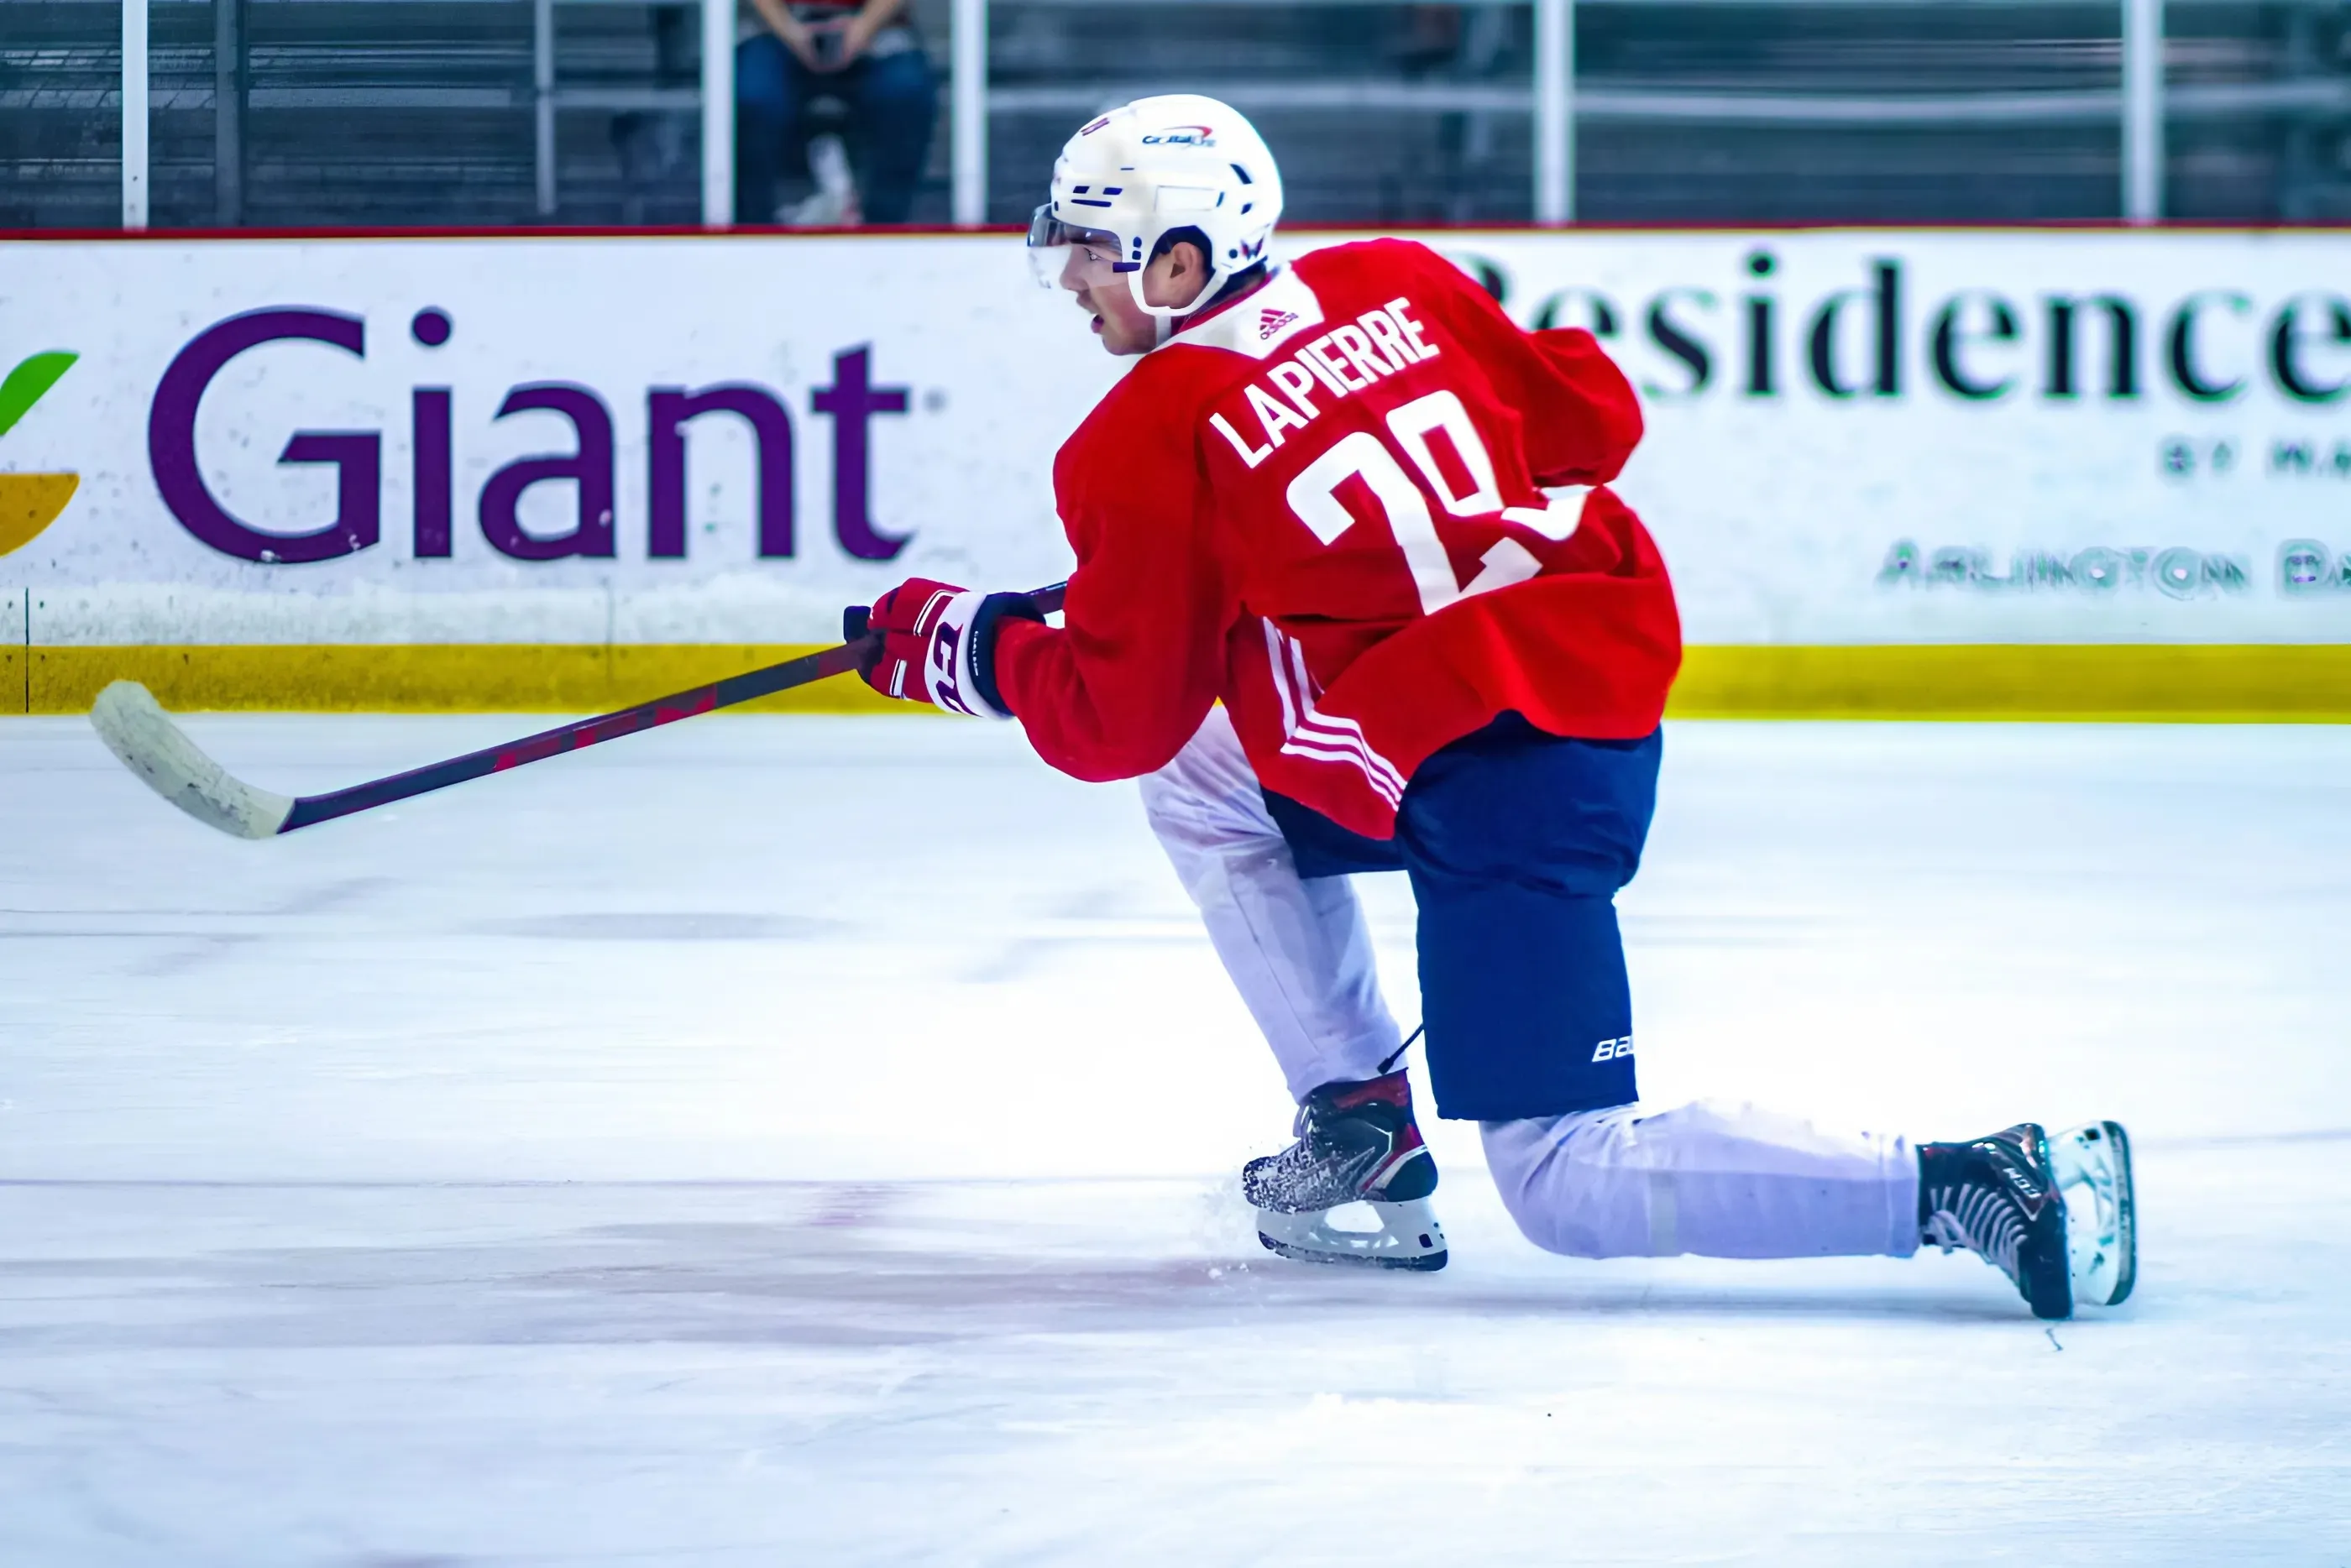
1724,1181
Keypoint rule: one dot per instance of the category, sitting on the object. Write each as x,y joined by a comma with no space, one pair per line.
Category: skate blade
2092,1166
1409,1237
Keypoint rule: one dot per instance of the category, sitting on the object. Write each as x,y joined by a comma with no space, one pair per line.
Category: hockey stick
136,728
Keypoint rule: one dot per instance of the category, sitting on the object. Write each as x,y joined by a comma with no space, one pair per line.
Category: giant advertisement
1857,440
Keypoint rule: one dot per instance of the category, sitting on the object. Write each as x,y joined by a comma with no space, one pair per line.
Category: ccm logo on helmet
1181,136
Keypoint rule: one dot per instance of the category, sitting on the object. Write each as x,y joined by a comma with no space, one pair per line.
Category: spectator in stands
867,56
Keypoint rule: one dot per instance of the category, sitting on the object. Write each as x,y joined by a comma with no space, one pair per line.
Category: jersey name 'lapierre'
1347,359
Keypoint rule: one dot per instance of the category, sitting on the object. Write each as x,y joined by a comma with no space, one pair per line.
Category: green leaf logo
31,502
28,383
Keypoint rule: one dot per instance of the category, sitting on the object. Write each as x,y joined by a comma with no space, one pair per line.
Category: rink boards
2069,473
2188,682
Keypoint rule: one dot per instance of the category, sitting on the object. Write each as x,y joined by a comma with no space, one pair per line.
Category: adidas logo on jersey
1383,341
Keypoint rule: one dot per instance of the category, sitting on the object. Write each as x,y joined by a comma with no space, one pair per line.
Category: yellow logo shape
30,502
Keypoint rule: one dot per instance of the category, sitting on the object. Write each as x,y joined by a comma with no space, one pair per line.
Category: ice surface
812,1141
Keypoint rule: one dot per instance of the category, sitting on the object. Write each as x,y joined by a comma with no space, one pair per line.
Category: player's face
1124,327
1086,261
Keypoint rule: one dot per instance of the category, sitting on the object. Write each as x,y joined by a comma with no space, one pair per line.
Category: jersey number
1313,497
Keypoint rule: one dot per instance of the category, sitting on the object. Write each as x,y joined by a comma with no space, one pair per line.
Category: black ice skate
2093,1168
1997,1196
1357,1143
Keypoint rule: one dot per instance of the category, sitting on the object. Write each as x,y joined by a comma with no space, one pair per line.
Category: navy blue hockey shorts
1516,842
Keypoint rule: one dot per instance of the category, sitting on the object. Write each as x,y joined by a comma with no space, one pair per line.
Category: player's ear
1182,261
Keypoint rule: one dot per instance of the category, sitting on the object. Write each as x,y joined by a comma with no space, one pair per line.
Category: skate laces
1980,1217
1336,1169
1351,1139
1991,1210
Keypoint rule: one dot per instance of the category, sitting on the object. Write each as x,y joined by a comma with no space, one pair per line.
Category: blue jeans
1516,842
891,99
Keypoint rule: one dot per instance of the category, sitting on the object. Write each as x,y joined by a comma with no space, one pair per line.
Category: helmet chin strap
1166,317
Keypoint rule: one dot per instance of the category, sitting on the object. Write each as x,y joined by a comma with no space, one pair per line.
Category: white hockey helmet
1131,176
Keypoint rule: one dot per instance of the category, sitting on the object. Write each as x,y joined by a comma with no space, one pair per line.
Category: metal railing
2140,109
714,98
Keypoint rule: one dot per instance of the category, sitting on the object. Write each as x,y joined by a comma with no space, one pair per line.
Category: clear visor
1063,255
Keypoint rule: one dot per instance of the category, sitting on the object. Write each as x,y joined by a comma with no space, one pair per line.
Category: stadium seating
408,112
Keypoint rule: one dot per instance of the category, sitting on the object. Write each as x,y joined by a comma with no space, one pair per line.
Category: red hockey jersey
1325,505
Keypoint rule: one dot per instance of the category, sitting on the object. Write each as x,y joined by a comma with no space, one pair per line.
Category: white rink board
2161,515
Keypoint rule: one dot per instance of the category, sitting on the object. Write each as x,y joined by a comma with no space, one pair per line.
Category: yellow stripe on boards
2100,683
2267,682
438,677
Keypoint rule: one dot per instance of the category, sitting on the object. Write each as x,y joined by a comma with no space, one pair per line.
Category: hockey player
1351,593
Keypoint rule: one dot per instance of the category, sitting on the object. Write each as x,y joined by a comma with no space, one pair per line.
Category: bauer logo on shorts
1610,1049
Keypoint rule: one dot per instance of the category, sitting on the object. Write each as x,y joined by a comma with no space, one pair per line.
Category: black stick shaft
582,732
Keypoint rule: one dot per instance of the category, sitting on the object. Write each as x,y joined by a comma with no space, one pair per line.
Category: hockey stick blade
137,729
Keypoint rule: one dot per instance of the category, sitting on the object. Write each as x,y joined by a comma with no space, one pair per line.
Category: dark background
420,112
